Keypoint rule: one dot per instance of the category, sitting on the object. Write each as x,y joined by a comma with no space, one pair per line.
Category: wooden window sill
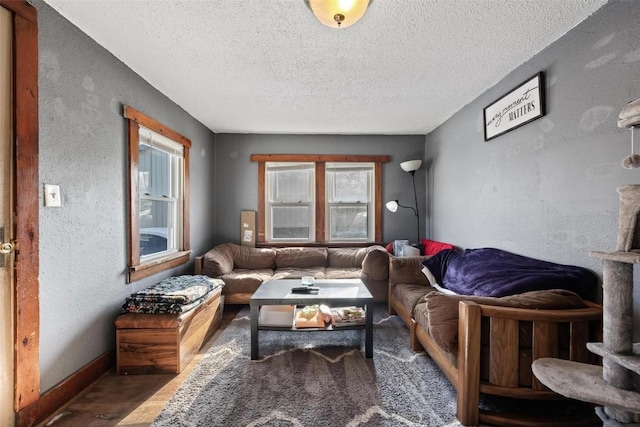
140,271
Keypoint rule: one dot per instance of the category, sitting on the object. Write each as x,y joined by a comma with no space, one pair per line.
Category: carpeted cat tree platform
612,384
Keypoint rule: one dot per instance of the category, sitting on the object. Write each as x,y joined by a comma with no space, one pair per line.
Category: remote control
304,289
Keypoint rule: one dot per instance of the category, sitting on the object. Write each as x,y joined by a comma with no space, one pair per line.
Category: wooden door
25,307
6,226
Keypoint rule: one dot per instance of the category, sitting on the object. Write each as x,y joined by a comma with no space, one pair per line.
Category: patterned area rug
313,379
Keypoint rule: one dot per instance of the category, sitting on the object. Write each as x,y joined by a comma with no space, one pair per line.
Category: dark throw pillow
439,263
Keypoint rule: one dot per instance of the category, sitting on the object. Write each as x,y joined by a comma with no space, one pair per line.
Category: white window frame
369,167
175,151
270,169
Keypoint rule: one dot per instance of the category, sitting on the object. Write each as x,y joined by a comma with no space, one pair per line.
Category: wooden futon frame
488,340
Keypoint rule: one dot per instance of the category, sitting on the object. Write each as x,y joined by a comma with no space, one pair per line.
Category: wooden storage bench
165,343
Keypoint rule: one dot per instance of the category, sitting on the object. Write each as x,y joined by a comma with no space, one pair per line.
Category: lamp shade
338,13
392,205
411,165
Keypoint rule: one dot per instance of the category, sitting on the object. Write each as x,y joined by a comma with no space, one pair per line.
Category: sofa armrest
443,314
406,270
375,264
218,261
497,327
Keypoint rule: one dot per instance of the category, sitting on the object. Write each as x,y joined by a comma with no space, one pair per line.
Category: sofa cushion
301,257
218,261
298,273
437,313
245,281
430,277
375,265
346,257
409,294
407,270
245,257
342,273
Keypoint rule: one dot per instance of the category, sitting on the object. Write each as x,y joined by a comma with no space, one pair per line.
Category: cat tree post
617,299
617,323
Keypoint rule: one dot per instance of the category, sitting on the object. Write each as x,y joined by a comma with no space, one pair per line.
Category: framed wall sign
518,107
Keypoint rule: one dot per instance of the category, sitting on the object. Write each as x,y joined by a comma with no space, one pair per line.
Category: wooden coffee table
334,293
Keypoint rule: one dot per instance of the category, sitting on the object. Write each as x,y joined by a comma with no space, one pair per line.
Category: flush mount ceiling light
338,13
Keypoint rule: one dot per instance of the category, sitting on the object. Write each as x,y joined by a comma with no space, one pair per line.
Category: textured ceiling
268,66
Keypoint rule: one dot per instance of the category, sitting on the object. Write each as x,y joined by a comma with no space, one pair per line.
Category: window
160,192
309,199
290,201
158,196
349,201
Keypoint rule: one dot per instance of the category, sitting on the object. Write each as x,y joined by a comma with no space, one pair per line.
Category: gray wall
237,176
83,249
547,189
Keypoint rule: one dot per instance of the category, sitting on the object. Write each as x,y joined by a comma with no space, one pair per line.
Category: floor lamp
410,166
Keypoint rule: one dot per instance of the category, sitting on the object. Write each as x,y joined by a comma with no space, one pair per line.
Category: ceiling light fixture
338,13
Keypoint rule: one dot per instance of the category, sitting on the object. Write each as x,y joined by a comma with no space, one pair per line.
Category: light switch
52,197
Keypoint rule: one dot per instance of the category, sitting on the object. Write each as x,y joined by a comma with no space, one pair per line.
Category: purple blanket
496,273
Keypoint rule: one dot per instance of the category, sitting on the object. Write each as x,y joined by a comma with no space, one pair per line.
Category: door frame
26,204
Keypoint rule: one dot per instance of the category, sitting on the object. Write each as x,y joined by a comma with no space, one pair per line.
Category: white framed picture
516,108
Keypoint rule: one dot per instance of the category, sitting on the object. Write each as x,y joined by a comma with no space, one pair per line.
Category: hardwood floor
128,400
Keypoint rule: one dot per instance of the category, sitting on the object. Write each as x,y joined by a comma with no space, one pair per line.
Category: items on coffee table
313,316
347,316
325,313
308,317
279,316
304,289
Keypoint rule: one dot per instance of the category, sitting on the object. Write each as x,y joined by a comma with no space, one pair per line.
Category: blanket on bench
173,295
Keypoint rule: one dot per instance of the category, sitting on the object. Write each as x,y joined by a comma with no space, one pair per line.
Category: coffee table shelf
327,328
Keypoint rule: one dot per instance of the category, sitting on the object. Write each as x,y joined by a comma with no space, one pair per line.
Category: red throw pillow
389,248
431,247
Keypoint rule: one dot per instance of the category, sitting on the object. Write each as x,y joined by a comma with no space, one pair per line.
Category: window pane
154,171
349,186
290,222
156,226
348,221
292,185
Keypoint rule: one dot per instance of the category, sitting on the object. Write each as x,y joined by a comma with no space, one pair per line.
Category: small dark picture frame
518,107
